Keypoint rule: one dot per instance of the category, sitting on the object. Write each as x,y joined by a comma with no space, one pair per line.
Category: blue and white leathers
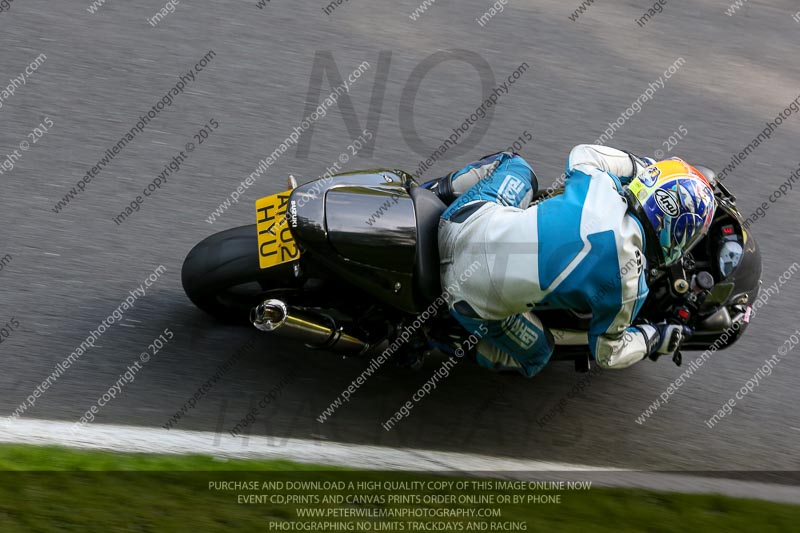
580,250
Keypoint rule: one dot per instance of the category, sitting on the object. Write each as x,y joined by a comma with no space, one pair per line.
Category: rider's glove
664,338
443,187
639,163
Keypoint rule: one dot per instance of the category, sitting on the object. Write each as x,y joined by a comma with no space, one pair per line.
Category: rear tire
221,275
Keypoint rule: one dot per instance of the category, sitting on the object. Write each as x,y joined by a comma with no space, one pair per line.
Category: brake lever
677,357
675,344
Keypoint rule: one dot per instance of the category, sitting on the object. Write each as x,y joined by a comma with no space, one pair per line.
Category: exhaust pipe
314,329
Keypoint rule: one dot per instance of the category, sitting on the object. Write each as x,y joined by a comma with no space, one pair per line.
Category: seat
427,208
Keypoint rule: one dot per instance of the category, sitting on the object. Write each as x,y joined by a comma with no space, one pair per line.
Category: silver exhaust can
316,330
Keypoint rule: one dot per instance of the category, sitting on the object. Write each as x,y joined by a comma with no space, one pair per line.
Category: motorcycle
348,264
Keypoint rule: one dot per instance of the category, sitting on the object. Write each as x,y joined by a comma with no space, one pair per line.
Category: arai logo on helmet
667,202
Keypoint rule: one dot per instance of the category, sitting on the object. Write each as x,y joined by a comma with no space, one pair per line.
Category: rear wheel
221,275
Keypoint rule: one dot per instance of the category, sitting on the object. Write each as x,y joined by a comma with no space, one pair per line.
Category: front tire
221,275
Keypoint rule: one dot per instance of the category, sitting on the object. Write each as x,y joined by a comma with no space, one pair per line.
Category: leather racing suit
581,250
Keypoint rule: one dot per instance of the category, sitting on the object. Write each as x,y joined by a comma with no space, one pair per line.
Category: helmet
677,202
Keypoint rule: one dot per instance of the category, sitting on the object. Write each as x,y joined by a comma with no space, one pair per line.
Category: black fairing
363,226
734,293
372,225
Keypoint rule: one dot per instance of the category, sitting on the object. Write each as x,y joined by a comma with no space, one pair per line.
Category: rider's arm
615,162
612,340
619,350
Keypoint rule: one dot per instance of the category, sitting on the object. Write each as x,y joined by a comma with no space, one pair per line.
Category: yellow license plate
275,241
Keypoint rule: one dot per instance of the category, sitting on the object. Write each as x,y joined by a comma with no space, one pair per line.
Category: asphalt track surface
70,270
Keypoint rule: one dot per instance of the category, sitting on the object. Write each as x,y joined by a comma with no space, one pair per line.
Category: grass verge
49,489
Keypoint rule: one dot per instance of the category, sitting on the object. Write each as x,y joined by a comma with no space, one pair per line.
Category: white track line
156,440
135,439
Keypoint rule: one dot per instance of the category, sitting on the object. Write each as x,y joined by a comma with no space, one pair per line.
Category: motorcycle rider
588,250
